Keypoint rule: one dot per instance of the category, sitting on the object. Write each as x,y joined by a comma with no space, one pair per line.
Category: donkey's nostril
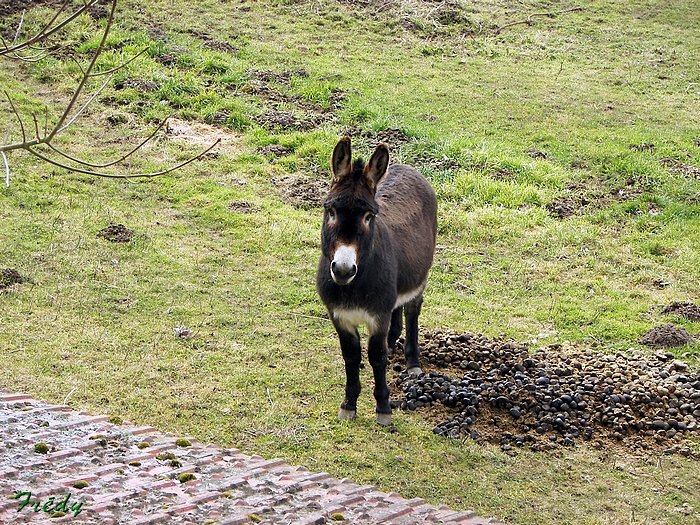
343,271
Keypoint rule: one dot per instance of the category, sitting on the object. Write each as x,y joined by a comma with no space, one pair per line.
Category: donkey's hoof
384,420
346,415
415,371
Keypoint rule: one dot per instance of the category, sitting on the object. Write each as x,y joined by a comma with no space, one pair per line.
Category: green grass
263,370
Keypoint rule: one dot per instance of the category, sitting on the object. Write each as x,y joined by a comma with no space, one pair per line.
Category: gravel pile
496,390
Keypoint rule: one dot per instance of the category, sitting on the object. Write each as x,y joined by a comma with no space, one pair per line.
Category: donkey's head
350,209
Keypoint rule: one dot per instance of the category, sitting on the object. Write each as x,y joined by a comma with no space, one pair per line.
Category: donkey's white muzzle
344,265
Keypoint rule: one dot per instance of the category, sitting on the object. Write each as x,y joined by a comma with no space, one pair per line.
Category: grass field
566,157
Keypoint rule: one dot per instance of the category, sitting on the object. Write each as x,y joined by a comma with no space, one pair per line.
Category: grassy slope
263,371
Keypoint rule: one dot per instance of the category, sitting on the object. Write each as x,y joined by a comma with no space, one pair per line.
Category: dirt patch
116,233
583,195
686,310
306,115
10,276
369,139
666,336
644,146
442,163
273,150
220,45
242,207
537,154
283,120
302,192
145,86
565,208
12,7
203,135
303,115
495,390
270,76
680,168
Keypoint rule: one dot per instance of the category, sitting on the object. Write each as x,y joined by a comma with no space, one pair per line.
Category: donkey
377,246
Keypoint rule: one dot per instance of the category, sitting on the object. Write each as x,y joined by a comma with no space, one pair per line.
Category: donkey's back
408,205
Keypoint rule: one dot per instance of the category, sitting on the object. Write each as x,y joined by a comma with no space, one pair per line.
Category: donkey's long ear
341,161
377,165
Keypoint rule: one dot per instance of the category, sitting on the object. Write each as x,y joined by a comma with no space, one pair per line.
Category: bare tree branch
41,144
47,31
529,20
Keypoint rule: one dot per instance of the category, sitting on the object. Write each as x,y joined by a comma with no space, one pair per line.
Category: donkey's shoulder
404,182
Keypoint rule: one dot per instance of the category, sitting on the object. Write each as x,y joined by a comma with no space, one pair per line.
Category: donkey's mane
357,168
350,192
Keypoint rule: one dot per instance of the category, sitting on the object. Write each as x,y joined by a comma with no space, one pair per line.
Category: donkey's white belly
351,318
404,298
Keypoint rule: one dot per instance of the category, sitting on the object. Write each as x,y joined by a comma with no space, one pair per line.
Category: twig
7,169
65,399
269,398
529,21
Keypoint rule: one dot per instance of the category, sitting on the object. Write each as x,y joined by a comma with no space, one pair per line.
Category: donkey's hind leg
411,349
352,355
395,328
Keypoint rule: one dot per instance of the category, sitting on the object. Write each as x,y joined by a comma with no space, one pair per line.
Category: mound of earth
666,336
10,276
495,390
687,310
116,233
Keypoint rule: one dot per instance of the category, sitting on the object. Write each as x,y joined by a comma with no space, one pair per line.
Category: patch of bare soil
583,195
220,45
146,86
273,150
302,192
644,146
370,139
242,207
116,233
442,163
687,310
666,336
304,115
12,7
537,154
203,135
267,76
10,276
680,168
284,120
496,391
564,208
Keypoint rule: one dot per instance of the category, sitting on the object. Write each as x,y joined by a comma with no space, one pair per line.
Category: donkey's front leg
377,355
352,355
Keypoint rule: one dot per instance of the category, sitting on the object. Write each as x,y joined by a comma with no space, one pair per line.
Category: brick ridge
96,472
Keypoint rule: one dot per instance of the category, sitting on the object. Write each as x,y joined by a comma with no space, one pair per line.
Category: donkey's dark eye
331,214
367,219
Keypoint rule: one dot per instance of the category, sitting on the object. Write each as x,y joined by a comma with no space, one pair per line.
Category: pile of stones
495,389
